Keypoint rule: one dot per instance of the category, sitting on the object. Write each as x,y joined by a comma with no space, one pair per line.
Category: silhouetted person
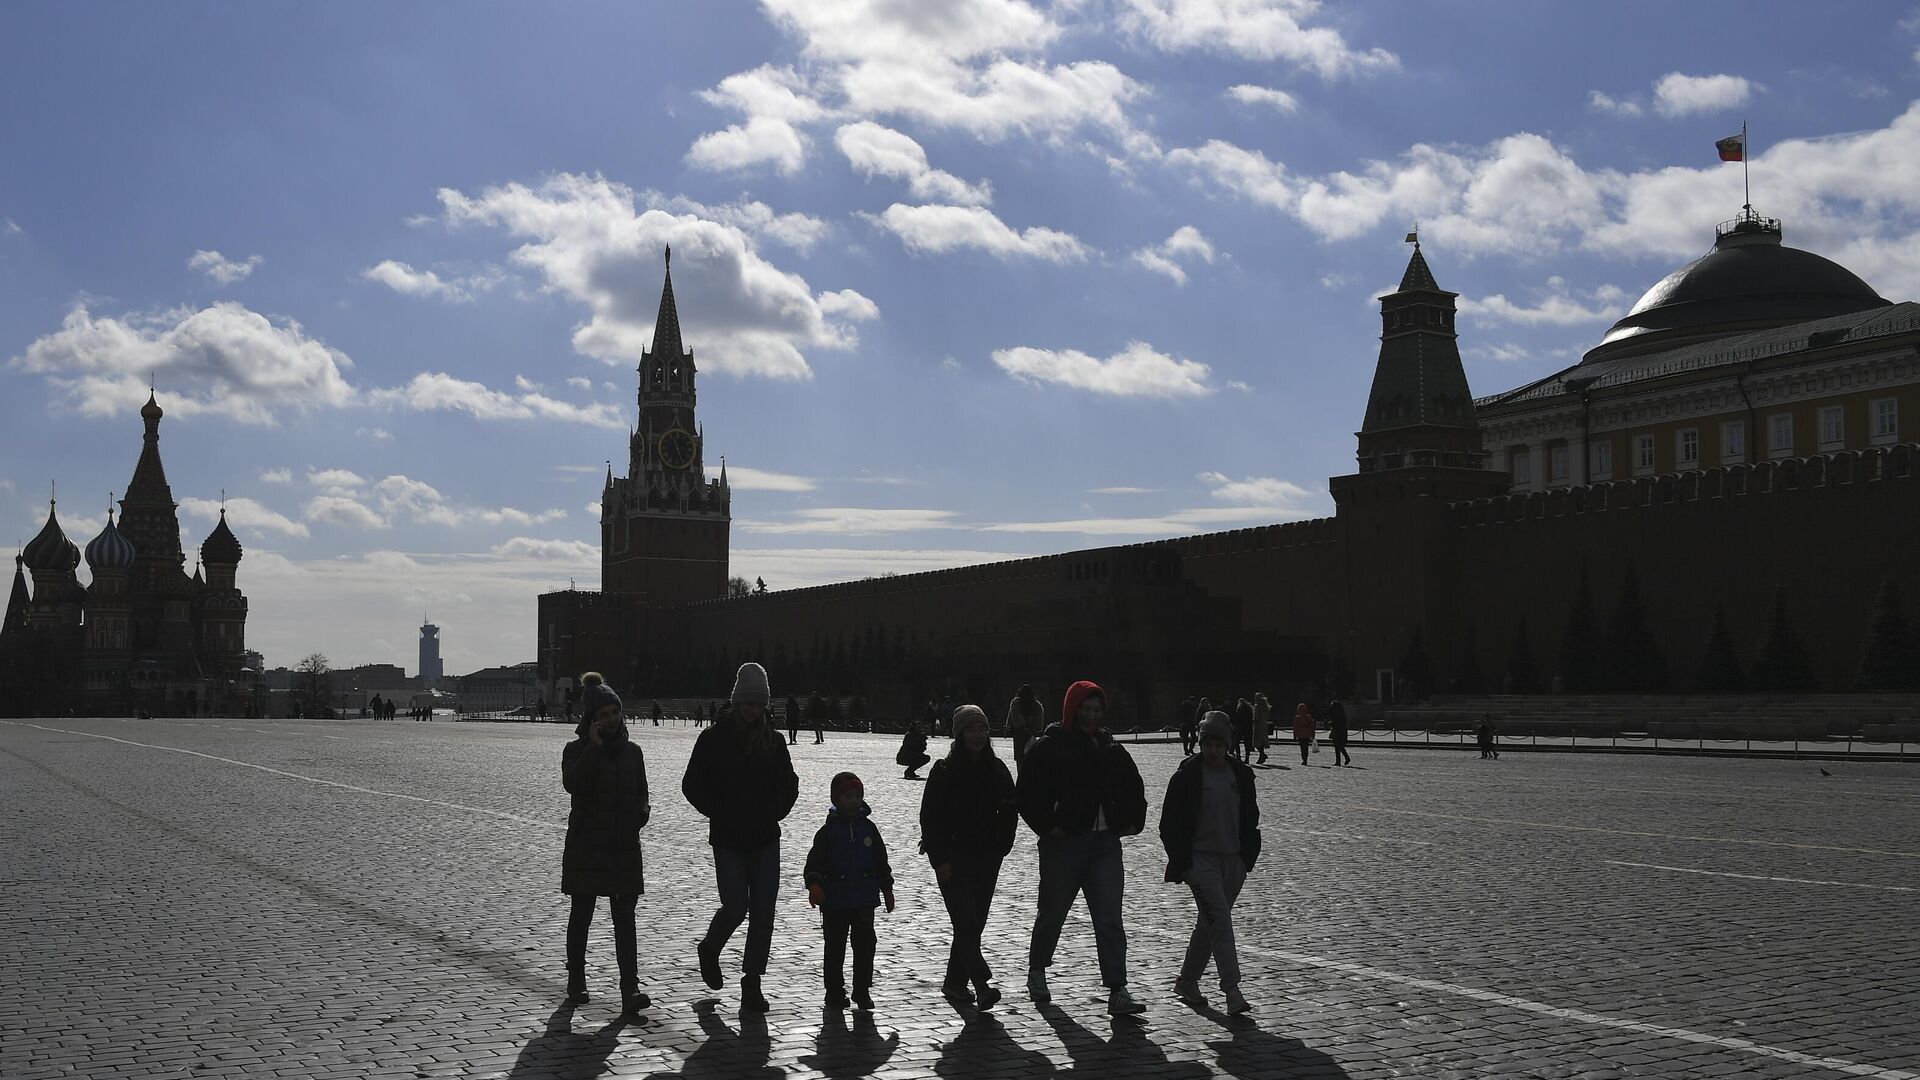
1187,716
967,822
1489,737
847,877
1262,725
913,751
1243,729
1337,732
1210,827
606,778
793,722
1025,715
1303,729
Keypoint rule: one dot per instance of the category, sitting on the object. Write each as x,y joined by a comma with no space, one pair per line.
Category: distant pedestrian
1187,714
848,876
606,777
967,821
793,721
1210,827
741,778
1192,742
1262,725
827,713
1243,729
1025,715
1303,727
1080,792
656,712
1489,736
913,751
944,717
1337,732
699,716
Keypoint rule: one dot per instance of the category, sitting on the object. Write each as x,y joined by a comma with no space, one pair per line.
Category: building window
1643,453
1733,442
1886,419
1521,463
1601,454
1557,462
1687,447
1833,427
1780,434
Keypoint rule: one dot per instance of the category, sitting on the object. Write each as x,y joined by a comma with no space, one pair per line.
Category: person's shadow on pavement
861,1052
984,1048
724,1053
1251,1052
1130,1054
560,1053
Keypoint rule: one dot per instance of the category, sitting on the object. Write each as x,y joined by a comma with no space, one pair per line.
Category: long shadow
860,1052
725,1053
560,1053
984,1048
1254,1054
1131,1054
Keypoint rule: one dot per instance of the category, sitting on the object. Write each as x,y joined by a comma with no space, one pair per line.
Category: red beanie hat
843,780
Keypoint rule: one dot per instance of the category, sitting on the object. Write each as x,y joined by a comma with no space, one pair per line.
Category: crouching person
1210,826
606,776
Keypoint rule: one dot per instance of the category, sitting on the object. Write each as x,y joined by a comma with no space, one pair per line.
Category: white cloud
939,229
574,551
801,232
740,478
374,433
1676,94
1122,491
845,304
594,510
342,511
743,314
245,514
760,140
1187,243
404,279
1135,371
224,360
336,481
777,93
853,521
521,382
1254,30
9,227
1558,307
1257,491
1504,353
219,267
395,496
1605,103
579,383
276,476
1264,96
439,390
875,150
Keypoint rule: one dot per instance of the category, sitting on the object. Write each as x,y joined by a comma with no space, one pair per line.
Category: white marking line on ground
1540,1008
1356,836
1640,832
1761,877
501,814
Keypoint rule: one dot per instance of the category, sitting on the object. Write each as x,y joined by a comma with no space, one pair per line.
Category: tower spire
1420,411
666,326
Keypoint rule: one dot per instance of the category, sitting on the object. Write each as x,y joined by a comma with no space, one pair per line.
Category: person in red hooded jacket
1080,792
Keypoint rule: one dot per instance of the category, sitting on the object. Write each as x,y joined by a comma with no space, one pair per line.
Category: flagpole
1745,148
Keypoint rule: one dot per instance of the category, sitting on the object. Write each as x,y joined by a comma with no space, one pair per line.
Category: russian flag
1733,147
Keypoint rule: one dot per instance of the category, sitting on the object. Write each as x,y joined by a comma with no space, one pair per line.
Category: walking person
1192,743
1187,716
741,778
1243,729
1262,725
1337,732
793,721
913,750
606,780
828,712
967,821
1210,826
1303,729
847,876
1080,792
1489,737
1025,715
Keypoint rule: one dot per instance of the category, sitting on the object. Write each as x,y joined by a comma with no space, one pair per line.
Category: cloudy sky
965,279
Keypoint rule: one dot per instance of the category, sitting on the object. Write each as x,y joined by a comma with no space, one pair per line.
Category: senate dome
1749,281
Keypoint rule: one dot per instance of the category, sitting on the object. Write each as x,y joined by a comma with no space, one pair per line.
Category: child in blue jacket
847,877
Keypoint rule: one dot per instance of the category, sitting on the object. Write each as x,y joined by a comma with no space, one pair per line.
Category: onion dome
51,552
221,547
151,410
111,550
1749,281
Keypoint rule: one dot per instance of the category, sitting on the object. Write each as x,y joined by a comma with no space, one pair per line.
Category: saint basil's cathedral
143,636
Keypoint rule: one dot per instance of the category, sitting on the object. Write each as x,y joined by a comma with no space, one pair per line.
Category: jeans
581,917
1340,755
968,892
838,923
1215,881
749,883
1305,746
1088,862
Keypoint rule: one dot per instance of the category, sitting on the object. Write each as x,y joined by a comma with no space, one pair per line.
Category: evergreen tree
1466,664
1523,675
1580,641
1888,660
1782,666
1720,667
1630,658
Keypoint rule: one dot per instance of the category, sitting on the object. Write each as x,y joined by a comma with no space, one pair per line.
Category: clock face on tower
676,448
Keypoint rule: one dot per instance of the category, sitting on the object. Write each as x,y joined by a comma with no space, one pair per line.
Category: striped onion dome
111,550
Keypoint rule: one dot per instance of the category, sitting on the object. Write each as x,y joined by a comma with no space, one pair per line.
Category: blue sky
965,279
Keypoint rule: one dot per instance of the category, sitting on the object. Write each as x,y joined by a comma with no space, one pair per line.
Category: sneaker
836,1000
709,966
1121,1003
957,993
863,1000
986,999
1188,990
577,989
1037,987
1237,1005
751,999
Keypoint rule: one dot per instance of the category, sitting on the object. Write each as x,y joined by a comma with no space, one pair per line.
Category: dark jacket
743,797
913,748
1180,815
1067,777
849,860
608,784
967,808
1337,723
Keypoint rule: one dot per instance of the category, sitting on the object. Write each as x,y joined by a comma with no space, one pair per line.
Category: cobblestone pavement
358,899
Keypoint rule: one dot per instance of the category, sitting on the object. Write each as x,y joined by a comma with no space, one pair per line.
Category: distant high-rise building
429,655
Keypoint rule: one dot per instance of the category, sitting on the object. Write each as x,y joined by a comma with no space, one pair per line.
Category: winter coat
1337,723
1025,721
913,749
608,785
1067,777
967,808
744,797
1262,723
849,861
1302,726
1180,815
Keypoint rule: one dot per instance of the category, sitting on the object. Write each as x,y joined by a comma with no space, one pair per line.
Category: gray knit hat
750,686
969,714
595,695
1216,725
